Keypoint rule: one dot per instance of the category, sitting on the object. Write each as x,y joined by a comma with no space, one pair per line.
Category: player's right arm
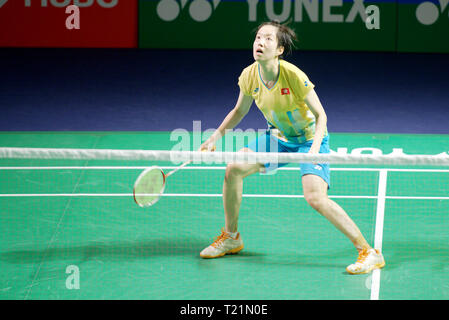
233,118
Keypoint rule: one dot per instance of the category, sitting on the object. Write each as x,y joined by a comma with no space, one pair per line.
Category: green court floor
71,230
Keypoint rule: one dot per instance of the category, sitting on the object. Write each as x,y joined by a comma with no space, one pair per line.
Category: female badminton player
297,122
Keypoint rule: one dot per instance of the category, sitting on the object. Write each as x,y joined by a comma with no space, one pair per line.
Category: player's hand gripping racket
150,184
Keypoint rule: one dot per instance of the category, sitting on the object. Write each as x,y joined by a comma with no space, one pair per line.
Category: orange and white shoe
223,244
368,260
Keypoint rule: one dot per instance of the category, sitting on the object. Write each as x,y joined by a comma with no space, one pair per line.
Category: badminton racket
150,184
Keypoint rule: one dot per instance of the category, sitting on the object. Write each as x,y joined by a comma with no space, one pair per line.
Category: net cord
199,157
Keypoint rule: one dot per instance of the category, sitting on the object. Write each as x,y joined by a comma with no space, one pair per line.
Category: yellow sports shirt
283,105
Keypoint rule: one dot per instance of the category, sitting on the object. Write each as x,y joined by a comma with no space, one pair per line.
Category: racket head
149,186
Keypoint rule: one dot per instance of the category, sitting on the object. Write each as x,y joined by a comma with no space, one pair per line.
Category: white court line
204,168
415,198
378,234
210,195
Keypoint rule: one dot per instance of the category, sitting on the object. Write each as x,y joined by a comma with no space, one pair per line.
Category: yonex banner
322,25
423,26
68,23
375,25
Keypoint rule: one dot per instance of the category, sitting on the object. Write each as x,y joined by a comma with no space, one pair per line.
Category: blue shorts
267,143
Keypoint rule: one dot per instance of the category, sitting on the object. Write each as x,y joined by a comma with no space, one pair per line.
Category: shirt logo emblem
285,91
256,90
306,83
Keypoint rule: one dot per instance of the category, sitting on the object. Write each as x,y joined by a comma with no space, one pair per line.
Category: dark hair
286,36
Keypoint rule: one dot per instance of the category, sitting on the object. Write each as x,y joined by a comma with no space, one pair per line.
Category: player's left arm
314,104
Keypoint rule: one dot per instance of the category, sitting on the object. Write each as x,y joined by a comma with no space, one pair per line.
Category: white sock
232,234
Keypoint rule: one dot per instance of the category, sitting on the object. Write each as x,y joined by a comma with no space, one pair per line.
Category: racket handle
180,167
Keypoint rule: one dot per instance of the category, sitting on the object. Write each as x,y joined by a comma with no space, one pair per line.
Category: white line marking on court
206,168
378,234
168,195
416,198
211,195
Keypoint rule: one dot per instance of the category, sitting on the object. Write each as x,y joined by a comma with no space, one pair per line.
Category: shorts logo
317,167
285,91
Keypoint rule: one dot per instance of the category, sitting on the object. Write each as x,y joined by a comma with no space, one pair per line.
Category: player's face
265,46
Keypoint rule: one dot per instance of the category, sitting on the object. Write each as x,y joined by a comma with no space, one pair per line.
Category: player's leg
233,189
315,193
230,241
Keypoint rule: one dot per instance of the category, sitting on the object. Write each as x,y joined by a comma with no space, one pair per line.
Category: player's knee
233,170
316,200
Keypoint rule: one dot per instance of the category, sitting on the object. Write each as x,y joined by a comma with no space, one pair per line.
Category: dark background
148,90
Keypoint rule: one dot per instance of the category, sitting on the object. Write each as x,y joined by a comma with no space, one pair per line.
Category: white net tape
441,159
